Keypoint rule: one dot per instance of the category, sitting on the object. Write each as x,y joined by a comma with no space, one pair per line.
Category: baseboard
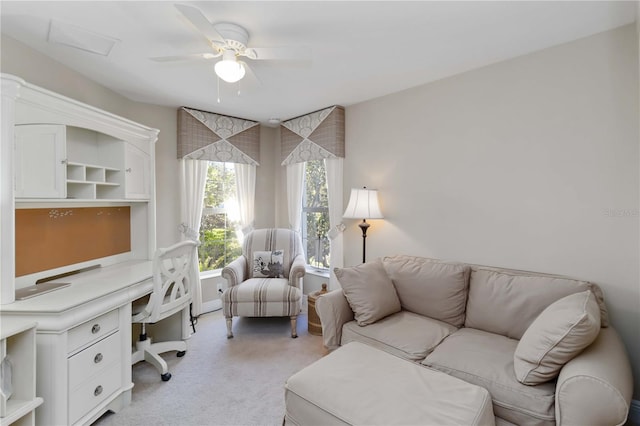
634,413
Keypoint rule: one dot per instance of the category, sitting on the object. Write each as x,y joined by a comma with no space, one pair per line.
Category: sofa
540,344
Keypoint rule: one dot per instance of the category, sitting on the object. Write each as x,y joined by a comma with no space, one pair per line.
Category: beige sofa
540,344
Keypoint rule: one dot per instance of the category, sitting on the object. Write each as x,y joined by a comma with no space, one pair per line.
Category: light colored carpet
222,381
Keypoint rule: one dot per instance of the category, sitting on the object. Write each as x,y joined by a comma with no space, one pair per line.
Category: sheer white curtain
334,170
246,187
193,176
295,173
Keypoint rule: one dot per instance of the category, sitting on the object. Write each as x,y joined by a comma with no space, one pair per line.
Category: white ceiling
359,50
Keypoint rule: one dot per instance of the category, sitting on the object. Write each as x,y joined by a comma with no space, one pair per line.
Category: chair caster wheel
180,354
294,337
165,377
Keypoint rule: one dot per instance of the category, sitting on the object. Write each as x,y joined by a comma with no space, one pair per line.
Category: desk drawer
92,330
91,360
94,391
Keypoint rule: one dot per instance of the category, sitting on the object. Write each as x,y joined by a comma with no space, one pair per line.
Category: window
315,215
219,244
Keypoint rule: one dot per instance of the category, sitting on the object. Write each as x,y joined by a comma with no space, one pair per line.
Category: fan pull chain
218,78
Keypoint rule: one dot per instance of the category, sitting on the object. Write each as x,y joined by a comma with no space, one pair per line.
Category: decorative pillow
268,264
558,334
369,291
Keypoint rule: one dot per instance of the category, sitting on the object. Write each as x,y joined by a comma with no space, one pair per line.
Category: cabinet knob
95,328
63,161
97,358
98,390
128,170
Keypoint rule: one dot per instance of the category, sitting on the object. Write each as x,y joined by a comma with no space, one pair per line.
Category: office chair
173,268
265,280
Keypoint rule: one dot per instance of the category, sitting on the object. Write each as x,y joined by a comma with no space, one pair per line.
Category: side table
314,324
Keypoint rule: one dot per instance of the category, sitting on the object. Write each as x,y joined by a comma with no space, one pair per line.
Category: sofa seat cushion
486,359
430,287
404,334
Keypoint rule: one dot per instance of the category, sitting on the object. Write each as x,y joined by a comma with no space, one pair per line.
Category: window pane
315,215
219,244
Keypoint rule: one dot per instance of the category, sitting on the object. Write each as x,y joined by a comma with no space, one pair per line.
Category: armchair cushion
557,335
369,291
268,264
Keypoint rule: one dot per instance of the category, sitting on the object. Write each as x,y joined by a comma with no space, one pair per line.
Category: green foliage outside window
315,215
219,244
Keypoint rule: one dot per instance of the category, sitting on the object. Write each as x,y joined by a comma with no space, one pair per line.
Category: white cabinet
40,161
137,173
18,345
68,162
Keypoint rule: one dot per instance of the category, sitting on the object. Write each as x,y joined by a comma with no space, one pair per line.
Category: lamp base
364,226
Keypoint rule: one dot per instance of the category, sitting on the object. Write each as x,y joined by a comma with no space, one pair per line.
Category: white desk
84,341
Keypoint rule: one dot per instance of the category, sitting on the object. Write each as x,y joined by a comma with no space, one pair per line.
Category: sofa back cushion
507,302
430,287
560,332
369,291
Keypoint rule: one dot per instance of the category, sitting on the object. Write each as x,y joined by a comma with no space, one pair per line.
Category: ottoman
360,385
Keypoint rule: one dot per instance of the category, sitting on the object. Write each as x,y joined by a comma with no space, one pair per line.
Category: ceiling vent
80,38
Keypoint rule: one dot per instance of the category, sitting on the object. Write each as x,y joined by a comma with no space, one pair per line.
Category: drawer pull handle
98,391
95,328
97,358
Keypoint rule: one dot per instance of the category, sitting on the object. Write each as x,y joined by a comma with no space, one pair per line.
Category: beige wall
530,163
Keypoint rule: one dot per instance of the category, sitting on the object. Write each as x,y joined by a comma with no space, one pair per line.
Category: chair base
294,329
150,352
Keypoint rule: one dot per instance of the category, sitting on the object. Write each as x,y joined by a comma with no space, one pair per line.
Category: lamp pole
364,226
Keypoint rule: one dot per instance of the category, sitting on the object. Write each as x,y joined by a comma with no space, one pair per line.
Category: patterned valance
214,137
314,136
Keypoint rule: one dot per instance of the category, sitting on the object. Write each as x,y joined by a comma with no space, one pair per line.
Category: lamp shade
229,69
363,204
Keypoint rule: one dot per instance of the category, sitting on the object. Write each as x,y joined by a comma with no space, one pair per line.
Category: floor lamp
363,204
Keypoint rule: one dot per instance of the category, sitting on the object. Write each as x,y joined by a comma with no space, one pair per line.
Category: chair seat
263,290
262,297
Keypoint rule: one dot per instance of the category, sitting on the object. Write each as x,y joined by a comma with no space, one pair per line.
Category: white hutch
60,154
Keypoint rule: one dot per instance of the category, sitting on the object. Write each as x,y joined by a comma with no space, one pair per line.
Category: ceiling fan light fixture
229,69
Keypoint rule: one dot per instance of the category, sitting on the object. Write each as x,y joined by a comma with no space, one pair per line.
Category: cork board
55,237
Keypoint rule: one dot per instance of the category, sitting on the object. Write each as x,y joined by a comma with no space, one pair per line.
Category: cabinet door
40,161
137,170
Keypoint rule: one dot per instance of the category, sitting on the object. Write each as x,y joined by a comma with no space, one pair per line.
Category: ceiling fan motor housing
235,36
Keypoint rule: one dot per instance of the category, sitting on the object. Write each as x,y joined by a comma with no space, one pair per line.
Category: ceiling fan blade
193,56
278,53
251,74
201,23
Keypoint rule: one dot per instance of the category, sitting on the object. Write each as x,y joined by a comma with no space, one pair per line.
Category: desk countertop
132,277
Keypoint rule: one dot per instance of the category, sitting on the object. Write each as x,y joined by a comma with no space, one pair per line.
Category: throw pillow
369,291
268,264
558,334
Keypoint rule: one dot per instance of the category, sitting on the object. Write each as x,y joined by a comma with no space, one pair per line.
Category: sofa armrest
234,272
297,271
334,311
595,387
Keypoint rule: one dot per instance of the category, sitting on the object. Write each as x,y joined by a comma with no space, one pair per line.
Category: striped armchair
265,281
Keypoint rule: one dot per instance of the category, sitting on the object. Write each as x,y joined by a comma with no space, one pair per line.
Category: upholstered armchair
266,280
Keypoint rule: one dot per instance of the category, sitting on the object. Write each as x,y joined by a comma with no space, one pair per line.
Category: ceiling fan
230,41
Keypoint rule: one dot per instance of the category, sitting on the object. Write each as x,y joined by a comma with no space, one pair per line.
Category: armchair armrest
297,271
334,311
595,387
234,272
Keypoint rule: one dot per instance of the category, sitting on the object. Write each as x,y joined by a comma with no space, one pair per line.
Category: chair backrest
173,269
271,239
